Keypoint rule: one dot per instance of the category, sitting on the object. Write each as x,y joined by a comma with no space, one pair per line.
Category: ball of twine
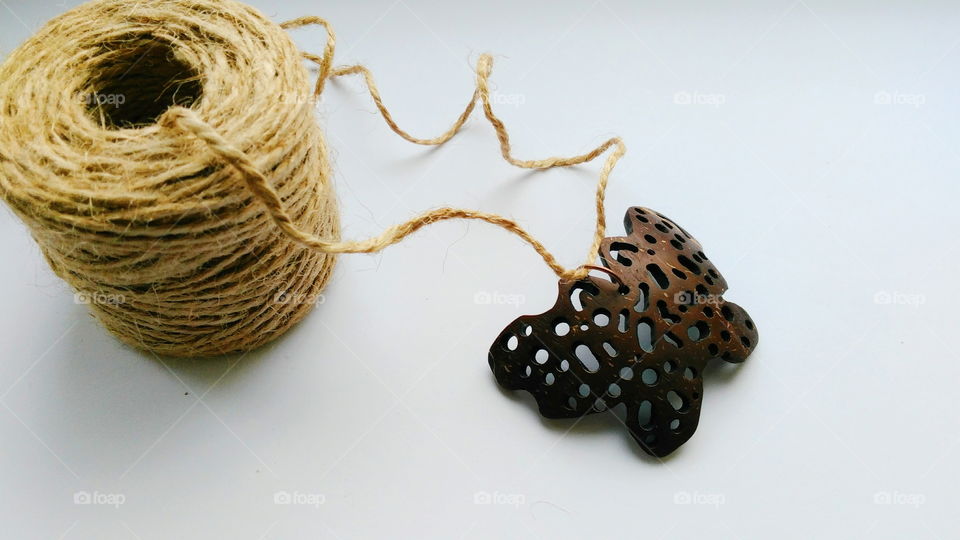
163,238
166,159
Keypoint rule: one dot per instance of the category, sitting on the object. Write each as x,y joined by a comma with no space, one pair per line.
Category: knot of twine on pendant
166,159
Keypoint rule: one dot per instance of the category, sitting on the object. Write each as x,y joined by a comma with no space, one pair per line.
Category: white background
817,164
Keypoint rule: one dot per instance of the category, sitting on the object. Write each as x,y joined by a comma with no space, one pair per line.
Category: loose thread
188,120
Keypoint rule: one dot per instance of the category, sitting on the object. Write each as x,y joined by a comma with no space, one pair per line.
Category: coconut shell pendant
641,338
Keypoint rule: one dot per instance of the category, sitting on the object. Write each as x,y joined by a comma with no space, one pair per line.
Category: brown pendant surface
641,338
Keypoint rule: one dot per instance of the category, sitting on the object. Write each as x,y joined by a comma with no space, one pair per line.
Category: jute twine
166,159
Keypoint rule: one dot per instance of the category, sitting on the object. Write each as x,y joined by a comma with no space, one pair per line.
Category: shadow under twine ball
164,240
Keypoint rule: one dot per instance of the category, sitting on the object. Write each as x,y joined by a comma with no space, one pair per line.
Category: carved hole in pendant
678,273
745,341
643,301
650,239
727,313
528,371
690,265
676,400
749,324
626,373
665,313
669,366
645,414
698,331
689,374
714,350
564,365
609,349
561,327
617,249
670,338
576,293
572,404
512,343
649,376
541,356
614,390
645,334
675,424
622,323
657,274
527,330
584,390
587,358
550,379
601,317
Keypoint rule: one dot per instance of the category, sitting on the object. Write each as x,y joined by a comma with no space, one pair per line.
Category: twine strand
326,61
258,183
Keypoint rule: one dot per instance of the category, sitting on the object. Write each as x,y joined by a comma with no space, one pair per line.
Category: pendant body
641,337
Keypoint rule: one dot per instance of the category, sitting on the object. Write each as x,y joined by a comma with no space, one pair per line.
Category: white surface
811,197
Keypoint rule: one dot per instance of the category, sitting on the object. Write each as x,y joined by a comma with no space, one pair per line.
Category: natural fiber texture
140,205
174,251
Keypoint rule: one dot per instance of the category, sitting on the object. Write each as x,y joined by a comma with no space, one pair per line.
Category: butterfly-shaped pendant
641,338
